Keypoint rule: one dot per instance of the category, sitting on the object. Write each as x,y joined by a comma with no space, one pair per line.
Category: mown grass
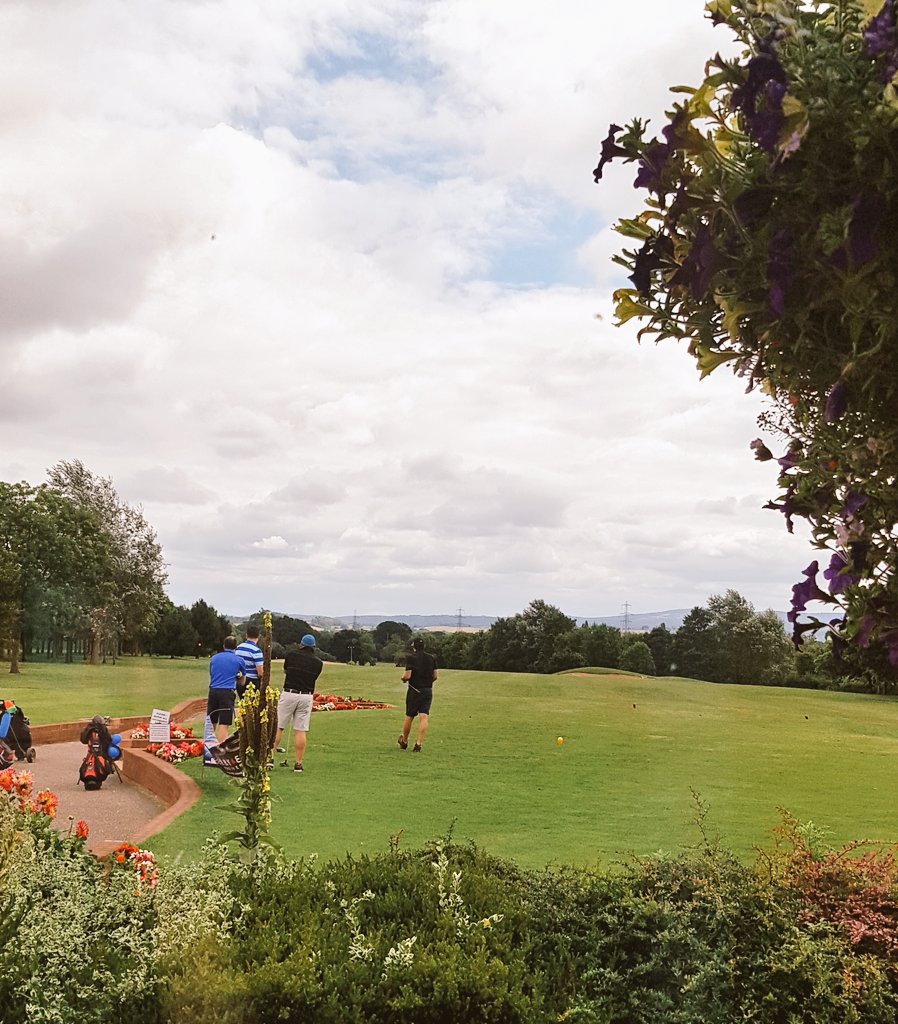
635,750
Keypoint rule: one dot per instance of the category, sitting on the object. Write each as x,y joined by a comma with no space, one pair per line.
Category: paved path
114,812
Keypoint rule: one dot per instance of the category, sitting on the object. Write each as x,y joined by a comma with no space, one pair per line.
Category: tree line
82,574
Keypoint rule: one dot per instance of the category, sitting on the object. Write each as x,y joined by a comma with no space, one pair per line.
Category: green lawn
621,783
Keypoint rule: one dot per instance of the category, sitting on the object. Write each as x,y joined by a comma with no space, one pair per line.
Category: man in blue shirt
225,668
253,659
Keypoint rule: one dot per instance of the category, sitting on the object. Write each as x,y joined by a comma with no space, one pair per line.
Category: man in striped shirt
251,653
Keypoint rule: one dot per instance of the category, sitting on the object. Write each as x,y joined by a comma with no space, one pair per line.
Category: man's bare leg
422,729
406,728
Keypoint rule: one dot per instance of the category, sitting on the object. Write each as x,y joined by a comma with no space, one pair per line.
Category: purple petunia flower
839,580
760,97
836,401
806,591
780,271
881,40
865,631
800,628
836,638
891,640
651,166
790,459
787,506
610,150
866,214
655,252
854,502
698,268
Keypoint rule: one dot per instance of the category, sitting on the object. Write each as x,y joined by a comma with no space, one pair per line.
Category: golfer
420,675
302,668
225,670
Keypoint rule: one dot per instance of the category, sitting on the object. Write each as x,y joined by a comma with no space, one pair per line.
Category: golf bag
15,736
97,764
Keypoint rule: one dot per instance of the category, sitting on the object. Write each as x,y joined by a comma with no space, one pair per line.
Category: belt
289,689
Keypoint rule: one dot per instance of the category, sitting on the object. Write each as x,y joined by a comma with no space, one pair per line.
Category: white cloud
252,254
270,544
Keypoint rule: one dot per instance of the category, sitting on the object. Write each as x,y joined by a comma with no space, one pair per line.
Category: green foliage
385,631
660,642
449,933
256,723
601,645
637,657
48,545
353,645
728,642
767,244
83,942
286,630
206,622
526,642
130,601
806,935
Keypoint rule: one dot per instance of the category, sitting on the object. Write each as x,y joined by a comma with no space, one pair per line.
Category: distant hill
637,622
640,622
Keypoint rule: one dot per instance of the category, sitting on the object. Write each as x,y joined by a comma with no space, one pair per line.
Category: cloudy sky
325,287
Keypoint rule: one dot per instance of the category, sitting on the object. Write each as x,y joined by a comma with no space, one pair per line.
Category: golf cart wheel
31,755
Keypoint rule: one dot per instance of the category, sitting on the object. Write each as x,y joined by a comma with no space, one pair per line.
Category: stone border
174,788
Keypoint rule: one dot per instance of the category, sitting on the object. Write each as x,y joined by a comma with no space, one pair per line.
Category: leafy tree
476,653
457,650
345,645
385,631
601,645
288,630
751,648
638,658
135,591
695,646
525,642
728,642
506,647
566,652
174,634
47,543
767,242
660,642
207,623
395,649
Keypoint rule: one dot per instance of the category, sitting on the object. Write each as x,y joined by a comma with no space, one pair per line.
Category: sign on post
159,731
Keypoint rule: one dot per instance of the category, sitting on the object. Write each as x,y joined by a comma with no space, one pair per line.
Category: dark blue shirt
224,668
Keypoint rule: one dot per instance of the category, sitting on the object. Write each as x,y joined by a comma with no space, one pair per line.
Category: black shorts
220,707
417,702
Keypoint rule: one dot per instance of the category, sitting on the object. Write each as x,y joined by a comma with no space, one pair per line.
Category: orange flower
47,803
82,830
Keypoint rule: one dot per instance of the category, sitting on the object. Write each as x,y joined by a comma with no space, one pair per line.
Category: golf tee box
159,731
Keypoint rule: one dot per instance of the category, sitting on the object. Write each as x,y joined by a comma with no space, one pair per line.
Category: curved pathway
132,805
116,813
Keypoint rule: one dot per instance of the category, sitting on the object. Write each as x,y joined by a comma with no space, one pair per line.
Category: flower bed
181,745
175,732
333,702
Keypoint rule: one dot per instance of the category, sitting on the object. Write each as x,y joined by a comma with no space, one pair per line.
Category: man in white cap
302,667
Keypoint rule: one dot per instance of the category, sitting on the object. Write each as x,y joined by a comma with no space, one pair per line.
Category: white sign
159,726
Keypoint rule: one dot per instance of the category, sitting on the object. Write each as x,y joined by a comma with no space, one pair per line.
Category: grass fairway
621,782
